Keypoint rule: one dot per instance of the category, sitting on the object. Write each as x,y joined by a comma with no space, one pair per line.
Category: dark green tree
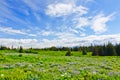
95,51
110,50
75,48
101,51
84,52
21,49
68,53
53,48
65,49
117,47
4,48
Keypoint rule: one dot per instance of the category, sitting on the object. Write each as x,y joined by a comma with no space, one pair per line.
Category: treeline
97,50
106,50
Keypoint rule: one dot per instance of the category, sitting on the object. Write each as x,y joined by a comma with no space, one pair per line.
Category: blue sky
45,23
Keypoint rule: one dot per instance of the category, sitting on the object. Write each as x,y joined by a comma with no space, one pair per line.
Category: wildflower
2,75
94,72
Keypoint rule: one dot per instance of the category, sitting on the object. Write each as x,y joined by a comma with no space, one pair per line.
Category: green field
54,65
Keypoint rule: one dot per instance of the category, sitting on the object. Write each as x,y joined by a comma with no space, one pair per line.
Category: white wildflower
2,75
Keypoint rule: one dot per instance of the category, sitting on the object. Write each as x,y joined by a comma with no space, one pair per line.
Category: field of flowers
45,66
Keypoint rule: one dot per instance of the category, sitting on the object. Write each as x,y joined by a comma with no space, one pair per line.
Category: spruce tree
117,47
110,50
95,51
84,52
21,49
101,51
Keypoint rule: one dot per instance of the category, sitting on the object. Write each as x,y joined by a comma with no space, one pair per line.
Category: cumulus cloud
26,43
71,30
62,9
84,41
99,23
68,42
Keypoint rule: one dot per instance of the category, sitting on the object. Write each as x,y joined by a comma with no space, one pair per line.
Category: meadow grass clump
68,53
20,55
2,56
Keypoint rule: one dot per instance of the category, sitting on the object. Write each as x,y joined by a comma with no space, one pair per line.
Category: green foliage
84,52
20,55
117,47
4,48
110,50
2,56
21,49
53,48
95,51
101,51
68,53
49,67
31,51
75,49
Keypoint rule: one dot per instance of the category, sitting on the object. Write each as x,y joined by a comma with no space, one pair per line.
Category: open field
54,65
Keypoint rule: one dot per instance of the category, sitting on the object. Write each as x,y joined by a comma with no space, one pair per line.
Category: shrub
20,55
68,53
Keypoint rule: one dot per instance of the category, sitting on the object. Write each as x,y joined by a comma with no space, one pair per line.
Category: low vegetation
78,63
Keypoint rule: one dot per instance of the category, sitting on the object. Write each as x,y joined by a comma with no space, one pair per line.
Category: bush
20,55
68,53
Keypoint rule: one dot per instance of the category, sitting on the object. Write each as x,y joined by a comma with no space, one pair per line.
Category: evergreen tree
95,51
21,49
4,48
117,47
101,51
84,52
110,50
75,48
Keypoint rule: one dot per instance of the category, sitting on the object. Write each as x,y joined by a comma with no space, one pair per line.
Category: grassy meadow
54,65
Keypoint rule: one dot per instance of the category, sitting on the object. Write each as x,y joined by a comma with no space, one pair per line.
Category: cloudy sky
45,23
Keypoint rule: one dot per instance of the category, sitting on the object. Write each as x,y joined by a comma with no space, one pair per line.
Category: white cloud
46,33
62,9
26,43
10,30
81,22
73,30
33,35
68,42
65,35
80,10
99,23
82,41
59,9
82,34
